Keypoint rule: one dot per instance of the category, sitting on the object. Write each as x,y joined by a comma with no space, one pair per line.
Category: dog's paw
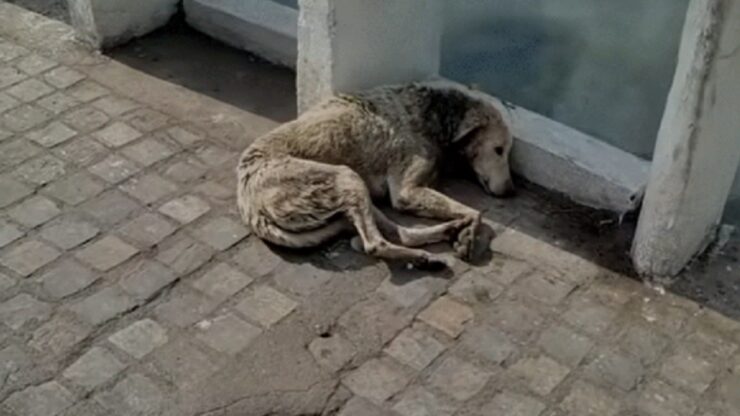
464,245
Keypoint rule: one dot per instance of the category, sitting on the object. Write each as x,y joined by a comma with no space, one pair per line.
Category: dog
316,177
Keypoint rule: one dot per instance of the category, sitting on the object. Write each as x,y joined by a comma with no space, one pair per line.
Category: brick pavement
128,286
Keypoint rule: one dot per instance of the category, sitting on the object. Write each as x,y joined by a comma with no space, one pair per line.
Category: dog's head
485,141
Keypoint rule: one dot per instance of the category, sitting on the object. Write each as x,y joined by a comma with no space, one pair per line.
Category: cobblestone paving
128,286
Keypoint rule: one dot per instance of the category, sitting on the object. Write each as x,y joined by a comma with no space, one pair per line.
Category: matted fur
315,177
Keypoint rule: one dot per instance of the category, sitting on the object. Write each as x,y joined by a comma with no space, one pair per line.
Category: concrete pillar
106,23
344,45
698,146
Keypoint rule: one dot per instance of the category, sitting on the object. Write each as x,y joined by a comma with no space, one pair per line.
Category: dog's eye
499,150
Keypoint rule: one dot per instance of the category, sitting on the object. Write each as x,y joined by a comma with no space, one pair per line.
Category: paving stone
135,395
103,305
541,374
266,306
302,279
185,255
659,399
13,153
117,134
184,136
216,193
48,399
106,253
24,118
185,171
58,103
59,336
184,364
418,401
69,232
513,404
221,282
111,207
10,76
372,323
81,151
518,319
7,102
148,151
357,406
87,90
147,229
257,259
185,309
28,257
185,209
415,348
15,362
149,188
413,292
6,283
23,309
63,77
114,169
213,156
642,342
86,408
86,119
114,105
459,379
52,134
4,134
705,342
447,316
489,343
8,233
10,51
140,338
29,90
66,278
227,333
12,191
147,279
662,315
332,352
476,287
74,189
587,400
543,288
611,368
726,392
34,211
35,64
41,170
147,120
221,233
592,318
685,370
377,380
565,345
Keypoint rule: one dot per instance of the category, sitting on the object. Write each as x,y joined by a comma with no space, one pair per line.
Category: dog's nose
509,189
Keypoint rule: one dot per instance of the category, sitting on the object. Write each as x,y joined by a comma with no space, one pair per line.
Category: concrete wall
106,23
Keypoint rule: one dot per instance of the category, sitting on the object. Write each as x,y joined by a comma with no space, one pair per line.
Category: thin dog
313,178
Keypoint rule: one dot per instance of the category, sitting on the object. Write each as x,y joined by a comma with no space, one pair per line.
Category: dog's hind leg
301,239
417,236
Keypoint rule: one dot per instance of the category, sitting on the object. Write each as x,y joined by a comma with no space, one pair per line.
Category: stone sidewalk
129,287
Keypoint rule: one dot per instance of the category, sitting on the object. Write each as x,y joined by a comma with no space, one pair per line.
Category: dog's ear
472,121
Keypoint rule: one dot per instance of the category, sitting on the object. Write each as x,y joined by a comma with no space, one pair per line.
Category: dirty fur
313,178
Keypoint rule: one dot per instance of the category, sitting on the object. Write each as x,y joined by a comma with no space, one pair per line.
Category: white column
106,23
698,147
345,45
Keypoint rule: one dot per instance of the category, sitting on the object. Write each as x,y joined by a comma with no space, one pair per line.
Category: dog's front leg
429,203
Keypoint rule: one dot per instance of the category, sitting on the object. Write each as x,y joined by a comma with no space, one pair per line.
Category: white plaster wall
111,22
